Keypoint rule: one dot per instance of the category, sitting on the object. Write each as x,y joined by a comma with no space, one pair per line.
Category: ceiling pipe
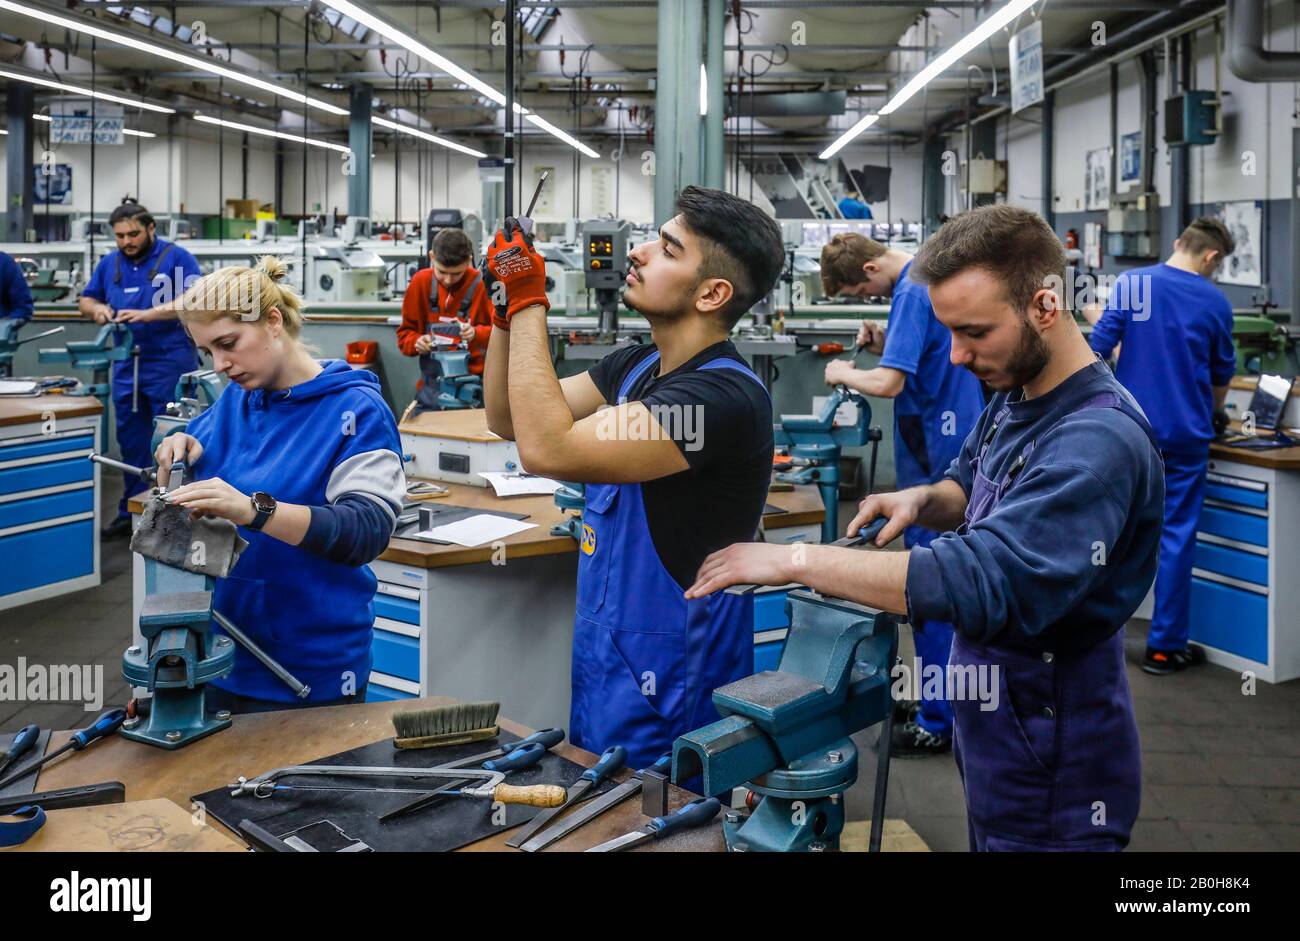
1247,57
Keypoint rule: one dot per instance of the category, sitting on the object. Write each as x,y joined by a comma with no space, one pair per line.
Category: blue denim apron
646,660
1057,765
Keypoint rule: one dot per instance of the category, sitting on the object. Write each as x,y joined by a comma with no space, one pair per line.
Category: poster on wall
1245,220
52,186
1092,244
1130,157
72,122
1025,51
1097,179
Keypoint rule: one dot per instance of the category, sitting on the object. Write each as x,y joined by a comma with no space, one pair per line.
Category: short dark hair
1014,245
842,260
1207,234
743,245
452,247
130,209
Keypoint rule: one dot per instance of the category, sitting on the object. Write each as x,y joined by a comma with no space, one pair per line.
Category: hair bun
273,267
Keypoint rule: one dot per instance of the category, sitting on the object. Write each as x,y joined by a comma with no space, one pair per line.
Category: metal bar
300,690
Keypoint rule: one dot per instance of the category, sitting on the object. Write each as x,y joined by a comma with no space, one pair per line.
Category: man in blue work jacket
1050,519
139,285
15,295
673,439
1174,330
936,404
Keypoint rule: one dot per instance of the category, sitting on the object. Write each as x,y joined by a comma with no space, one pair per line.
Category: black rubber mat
27,783
450,823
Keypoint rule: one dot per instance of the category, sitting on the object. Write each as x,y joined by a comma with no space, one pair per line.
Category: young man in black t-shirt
674,442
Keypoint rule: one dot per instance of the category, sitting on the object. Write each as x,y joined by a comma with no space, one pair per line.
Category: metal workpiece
264,784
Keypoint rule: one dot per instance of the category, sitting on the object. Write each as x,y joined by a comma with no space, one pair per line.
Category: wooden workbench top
1273,458
462,424
257,743
22,409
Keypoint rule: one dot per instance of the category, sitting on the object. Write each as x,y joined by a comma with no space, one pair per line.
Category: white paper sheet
516,485
17,387
477,530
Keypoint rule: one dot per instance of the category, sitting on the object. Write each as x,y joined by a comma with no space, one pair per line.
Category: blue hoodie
329,437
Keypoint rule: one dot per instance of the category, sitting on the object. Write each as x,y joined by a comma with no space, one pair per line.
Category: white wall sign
72,122
1026,54
1097,179
1245,221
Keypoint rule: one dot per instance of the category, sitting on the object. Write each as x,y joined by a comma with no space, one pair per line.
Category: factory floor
1220,770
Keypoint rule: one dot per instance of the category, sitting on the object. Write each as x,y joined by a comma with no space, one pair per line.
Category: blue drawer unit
1230,619
1243,527
397,609
768,656
1216,490
1224,560
769,611
50,506
14,452
35,476
396,655
46,556
377,693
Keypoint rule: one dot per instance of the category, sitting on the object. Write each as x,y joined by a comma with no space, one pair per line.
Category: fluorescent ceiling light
81,25
941,63
126,130
411,44
79,90
425,135
235,125
704,91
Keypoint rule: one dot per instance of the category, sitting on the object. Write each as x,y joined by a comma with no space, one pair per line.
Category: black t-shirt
721,420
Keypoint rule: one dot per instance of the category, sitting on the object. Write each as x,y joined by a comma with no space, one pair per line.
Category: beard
1030,357
142,253
666,314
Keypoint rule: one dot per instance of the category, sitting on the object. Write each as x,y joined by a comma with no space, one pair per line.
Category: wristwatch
263,507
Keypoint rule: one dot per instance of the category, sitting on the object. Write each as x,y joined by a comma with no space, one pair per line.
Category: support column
18,161
715,68
359,140
678,125
1047,145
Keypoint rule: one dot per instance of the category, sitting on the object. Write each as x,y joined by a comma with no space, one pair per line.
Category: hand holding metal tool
597,806
106,724
611,761
695,814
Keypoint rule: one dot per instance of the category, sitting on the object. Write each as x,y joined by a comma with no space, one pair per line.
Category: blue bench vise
113,343
180,658
814,444
785,733
457,386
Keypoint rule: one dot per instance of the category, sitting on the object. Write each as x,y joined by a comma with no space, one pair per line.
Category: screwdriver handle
611,760
548,737
695,814
533,795
524,757
106,724
22,742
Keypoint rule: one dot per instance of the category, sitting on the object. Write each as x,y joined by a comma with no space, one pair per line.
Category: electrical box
1191,118
604,253
988,176
1133,226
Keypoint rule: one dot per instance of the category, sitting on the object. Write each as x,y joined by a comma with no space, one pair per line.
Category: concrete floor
1221,770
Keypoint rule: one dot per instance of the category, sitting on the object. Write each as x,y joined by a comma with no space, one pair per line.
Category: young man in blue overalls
677,463
1174,330
936,404
1050,516
138,285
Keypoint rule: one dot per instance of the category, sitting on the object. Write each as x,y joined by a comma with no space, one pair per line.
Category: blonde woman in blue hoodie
303,455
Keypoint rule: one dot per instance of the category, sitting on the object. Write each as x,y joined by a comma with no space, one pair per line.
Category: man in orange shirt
460,294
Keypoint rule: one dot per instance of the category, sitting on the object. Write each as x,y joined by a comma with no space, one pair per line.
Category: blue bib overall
646,660
1057,765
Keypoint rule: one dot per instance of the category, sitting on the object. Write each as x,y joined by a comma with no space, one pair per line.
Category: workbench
1245,607
496,621
260,742
49,496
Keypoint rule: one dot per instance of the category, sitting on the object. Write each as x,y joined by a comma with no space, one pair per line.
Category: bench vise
785,733
180,658
814,444
112,344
